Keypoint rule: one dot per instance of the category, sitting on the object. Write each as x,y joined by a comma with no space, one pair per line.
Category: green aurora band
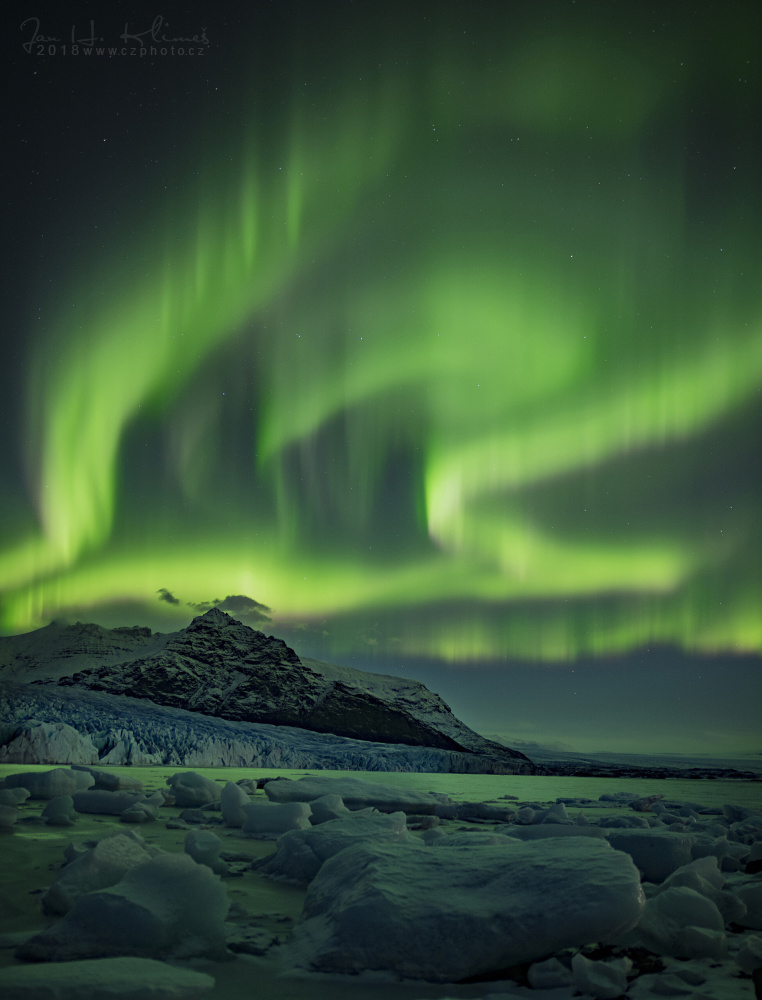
438,365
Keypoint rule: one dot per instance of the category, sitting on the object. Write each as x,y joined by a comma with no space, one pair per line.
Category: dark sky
433,328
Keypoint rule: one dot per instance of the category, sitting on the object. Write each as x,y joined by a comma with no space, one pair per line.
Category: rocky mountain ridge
221,668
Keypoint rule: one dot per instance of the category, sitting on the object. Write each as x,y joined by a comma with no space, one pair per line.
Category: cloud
165,595
239,604
204,605
236,604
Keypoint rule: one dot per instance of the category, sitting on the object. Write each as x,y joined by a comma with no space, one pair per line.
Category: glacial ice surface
126,730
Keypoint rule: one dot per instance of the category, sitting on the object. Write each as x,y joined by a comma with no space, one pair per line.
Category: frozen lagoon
34,853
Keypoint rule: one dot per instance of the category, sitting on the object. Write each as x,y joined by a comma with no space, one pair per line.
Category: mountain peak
214,617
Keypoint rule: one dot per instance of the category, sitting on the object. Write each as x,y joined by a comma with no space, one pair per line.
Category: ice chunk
671,985
749,956
734,858
326,808
603,980
706,845
232,800
627,823
268,820
544,831
701,942
706,867
50,784
204,847
735,813
8,817
481,810
404,907
60,811
704,876
105,803
556,814
644,804
299,854
192,790
110,781
525,815
168,907
657,853
104,979
470,837
747,831
13,796
667,914
356,794
549,975
751,896
140,812
101,866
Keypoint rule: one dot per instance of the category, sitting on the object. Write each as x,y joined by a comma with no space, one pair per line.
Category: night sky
425,335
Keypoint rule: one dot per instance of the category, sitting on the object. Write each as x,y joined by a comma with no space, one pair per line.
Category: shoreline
651,773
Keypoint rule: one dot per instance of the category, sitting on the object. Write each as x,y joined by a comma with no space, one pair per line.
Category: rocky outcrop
220,668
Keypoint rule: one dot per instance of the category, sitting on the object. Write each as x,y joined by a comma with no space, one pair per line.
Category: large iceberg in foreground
447,915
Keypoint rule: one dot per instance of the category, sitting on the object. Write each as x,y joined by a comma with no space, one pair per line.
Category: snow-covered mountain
219,668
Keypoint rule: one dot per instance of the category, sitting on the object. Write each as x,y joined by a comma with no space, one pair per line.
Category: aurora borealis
435,328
